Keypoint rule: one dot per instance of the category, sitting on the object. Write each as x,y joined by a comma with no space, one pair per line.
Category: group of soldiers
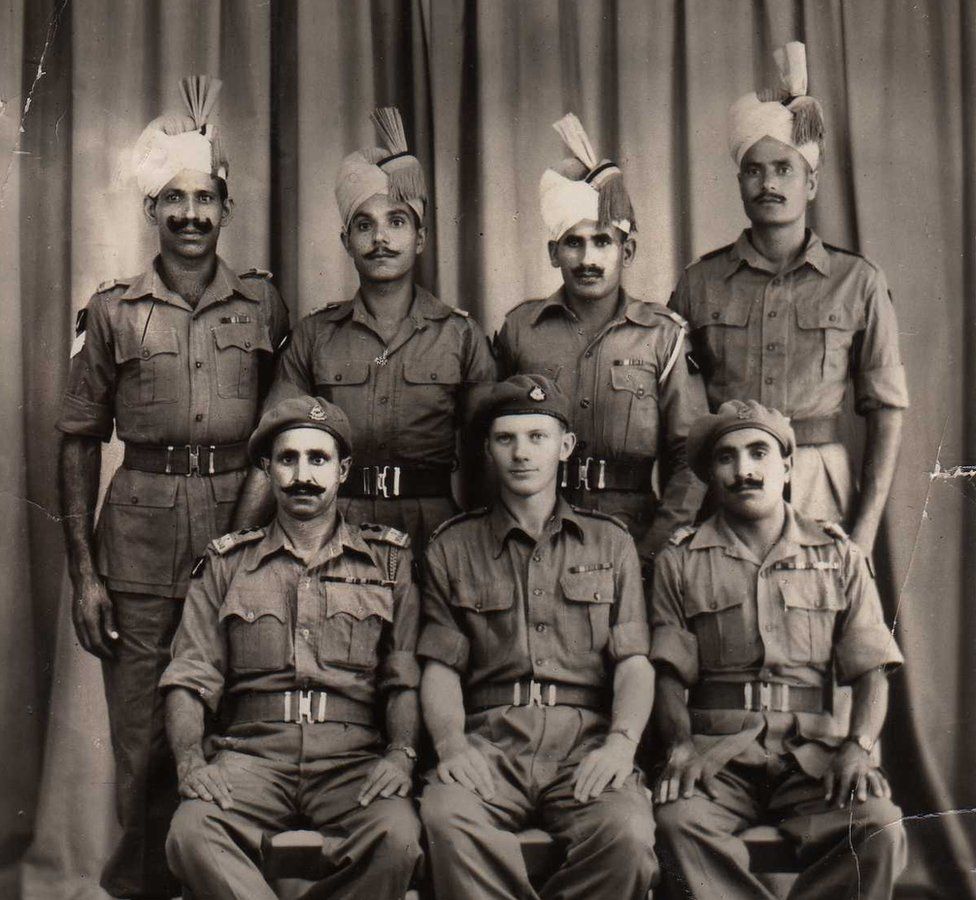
285,593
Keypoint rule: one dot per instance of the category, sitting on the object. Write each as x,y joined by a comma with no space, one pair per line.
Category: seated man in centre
537,683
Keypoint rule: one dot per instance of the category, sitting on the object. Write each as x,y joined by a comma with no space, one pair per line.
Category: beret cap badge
537,394
316,413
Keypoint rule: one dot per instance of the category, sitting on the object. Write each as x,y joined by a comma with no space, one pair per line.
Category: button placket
773,343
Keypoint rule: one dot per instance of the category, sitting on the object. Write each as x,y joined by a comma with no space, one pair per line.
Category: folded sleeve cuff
881,388
82,417
197,677
862,652
400,670
629,639
679,649
445,645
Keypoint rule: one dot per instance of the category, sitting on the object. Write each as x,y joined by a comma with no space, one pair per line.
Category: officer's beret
734,415
519,395
299,412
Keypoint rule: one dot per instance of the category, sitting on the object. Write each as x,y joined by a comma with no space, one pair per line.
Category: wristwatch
862,741
406,749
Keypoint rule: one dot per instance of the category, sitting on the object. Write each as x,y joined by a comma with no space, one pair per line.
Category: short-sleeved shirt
633,392
501,606
809,608
165,373
261,618
406,399
793,340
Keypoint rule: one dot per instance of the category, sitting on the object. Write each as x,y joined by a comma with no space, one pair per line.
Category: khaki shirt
405,400
719,613
793,341
500,606
633,392
260,617
164,374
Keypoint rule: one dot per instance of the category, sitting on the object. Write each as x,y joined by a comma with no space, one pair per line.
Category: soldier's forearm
79,467
869,704
443,705
633,695
255,505
184,728
671,719
403,718
882,441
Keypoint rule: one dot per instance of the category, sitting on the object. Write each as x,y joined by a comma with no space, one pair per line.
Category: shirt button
198,417
145,353
585,403
537,557
339,377
715,314
133,499
198,364
640,392
769,379
247,345
384,400
588,354
596,595
770,346
249,615
831,318
765,674
540,662
540,627
771,314
382,445
305,633
433,376
537,592
713,605
768,626
477,604
775,282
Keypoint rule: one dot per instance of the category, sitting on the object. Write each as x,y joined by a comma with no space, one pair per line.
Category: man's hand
202,781
94,616
607,766
462,762
852,774
391,776
685,768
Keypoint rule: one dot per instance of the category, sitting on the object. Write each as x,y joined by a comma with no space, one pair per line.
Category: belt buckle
535,694
383,489
583,474
193,459
759,696
169,459
305,707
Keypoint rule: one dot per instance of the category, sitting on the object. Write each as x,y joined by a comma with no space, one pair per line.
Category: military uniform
794,341
525,623
755,641
405,400
633,393
298,655
182,387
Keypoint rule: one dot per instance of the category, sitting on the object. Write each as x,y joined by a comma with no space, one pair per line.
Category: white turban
598,194
799,123
359,179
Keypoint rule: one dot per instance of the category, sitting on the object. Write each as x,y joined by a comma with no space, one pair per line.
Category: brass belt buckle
193,459
384,490
305,707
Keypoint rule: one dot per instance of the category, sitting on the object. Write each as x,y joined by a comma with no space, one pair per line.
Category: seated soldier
297,634
751,611
537,684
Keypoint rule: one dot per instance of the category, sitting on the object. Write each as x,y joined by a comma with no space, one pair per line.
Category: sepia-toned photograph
488,449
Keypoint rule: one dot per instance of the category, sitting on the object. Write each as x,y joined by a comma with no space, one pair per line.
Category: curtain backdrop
479,84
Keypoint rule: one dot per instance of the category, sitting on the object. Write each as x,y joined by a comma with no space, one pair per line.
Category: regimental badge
743,411
316,413
537,394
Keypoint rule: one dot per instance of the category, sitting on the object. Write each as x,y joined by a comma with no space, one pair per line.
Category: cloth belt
536,693
810,432
389,481
756,696
592,473
299,706
196,459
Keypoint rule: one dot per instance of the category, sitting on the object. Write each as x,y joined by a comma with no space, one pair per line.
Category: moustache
585,271
741,484
298,488
177,225
769,195
382,253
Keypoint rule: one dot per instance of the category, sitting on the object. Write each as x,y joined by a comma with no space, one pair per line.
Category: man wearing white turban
624,362
790,321
396,359
174,360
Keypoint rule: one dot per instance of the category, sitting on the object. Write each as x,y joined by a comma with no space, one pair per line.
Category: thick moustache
304,488
744,484
199,226
381,253
770,198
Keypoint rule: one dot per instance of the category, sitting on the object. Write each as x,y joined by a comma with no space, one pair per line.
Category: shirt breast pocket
825,335
337,377
149,367
722,333
632,424
718,621
485,610
237,356
812,599
586,614
354,617
431,379
257,635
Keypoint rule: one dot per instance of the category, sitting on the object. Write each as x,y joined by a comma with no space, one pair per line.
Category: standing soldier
536,685
394,357
785,319
623,362
175,359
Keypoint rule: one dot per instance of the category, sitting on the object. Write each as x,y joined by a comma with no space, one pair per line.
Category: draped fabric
479,82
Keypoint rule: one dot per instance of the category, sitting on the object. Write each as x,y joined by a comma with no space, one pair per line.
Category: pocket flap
131,346
343,371
245,337
484,597
359,600
588,587
250,605
696,604
810,589
143,489
432,371
720,307
826,315
638,381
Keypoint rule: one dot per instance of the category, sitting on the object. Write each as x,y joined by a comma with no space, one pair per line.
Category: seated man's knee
445,806
400,834
679,818
880,823
188,832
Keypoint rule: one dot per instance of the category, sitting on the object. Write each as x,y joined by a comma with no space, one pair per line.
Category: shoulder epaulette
677,318
834,530
385,533
682,534
329,307
256,273
113,283
847,252
710,255
455,520
227,542
599,514
523,303
459,312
